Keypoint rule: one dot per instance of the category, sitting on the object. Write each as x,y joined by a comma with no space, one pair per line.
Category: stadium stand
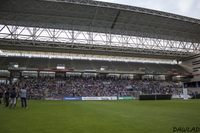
41,88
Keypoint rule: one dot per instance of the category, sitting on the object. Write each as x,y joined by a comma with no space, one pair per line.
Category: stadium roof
101,17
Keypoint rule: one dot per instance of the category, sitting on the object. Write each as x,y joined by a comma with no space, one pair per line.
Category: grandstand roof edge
130,8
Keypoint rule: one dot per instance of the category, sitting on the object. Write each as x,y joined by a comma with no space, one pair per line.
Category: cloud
190,8
185,5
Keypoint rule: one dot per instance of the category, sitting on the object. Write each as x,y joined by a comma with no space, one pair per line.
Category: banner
99,98
72,98
176,97
126,98
53,98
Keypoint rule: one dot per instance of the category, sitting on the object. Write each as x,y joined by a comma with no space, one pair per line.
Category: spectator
23,98
13,96
6,96
1,95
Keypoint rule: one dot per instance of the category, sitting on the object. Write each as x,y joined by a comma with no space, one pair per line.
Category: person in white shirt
23,98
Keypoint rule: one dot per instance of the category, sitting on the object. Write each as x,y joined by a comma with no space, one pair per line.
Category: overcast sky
190,8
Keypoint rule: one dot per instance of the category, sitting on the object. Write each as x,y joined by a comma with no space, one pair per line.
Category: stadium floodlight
179,62
60,66
16,66
13,64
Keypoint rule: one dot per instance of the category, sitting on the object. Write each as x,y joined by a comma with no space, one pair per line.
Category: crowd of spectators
40,88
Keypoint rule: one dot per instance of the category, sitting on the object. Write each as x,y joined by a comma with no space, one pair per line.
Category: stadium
90,66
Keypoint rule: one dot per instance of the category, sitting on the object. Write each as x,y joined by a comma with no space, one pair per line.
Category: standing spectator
6,96
23,98
13,96
1,95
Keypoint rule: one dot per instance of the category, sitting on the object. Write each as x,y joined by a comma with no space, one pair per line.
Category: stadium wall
193,66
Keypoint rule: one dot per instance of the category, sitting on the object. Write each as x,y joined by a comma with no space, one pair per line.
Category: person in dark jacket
6,96
1,95
13,95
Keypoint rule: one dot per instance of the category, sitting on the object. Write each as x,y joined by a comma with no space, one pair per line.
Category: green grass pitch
100,116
